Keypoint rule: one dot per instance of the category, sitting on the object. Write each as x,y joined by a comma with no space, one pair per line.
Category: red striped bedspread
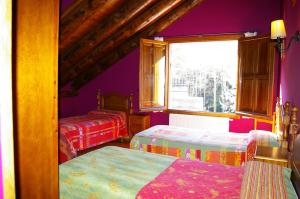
82,132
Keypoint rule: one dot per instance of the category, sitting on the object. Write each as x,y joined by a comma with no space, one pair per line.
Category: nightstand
138,122
274,155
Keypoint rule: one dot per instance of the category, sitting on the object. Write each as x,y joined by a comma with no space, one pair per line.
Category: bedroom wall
291,61
211,17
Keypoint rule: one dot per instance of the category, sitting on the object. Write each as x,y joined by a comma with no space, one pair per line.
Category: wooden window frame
141,84
207,38
202,113
203,38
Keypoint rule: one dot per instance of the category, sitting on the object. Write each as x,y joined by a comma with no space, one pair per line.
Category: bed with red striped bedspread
85,131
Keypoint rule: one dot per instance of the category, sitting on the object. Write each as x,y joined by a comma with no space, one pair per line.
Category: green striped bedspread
110,172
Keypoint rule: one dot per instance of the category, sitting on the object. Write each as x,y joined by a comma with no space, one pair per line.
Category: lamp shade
277,29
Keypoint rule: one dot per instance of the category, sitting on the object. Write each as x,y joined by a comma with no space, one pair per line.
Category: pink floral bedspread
195,179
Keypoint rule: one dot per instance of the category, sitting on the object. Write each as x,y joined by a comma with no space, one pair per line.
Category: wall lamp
278,32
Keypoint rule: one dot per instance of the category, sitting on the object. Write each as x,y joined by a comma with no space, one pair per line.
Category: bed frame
115,101
294,146
285,125
276,122
280,122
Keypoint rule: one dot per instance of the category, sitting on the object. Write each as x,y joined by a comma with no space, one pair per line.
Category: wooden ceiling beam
127,46
99,33
139,23
142,21
81,16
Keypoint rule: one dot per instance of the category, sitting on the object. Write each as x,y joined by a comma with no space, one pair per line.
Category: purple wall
211,17
290,72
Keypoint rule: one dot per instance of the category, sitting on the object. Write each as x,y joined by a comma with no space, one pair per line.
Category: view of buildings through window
203,76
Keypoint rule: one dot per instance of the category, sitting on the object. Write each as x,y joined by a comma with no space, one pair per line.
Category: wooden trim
293,127
203,38
114,101
257,116
273,154
167,77
212,114
154,109
117,102
262,120
276,121
271,79
141,72
151,41
239,81
271,159
255,38
35,98
6,109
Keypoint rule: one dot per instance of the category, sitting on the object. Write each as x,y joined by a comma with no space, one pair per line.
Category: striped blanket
214,147
82,132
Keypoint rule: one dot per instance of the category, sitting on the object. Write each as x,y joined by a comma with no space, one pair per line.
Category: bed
113,172
214,147
217,147
109,122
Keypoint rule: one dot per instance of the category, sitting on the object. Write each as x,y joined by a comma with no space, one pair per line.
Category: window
203,76
206,74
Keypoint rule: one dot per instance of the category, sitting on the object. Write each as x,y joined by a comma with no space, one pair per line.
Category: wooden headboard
295,165
294,148
114,101
277,118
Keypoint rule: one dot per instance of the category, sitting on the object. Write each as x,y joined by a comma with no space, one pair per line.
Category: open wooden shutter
256,74
153,75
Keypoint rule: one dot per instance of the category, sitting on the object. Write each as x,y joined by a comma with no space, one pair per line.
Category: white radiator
219,124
